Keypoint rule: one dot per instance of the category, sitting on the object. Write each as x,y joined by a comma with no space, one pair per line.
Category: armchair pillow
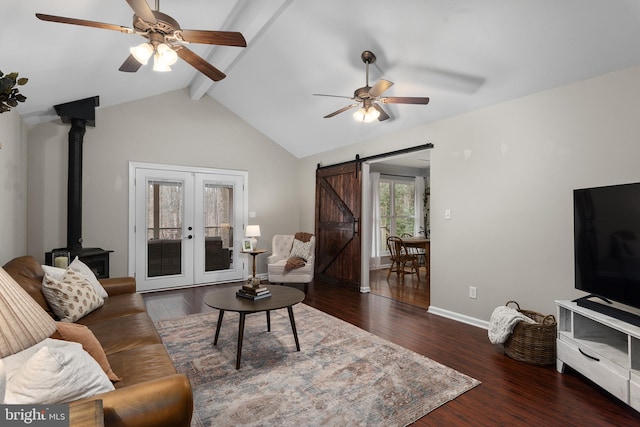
301,249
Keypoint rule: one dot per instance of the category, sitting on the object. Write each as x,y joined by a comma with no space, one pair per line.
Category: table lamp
252,232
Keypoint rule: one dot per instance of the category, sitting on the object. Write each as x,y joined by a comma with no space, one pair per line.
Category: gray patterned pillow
72,298
301,249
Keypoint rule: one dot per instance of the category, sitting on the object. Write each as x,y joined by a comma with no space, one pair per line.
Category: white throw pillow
15,361
84,269
73,298
301,249
55,272
57,375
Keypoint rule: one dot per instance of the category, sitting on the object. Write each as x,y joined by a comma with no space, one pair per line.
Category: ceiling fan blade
200,64
383,114
342,110
130,65
84,23
142,10
334,96
380,87
404,100
222,38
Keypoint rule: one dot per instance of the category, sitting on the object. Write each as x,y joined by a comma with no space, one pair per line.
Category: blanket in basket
503,320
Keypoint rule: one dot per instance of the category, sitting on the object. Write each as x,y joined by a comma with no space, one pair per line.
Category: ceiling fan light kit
369,115
167,41
142,52
368,97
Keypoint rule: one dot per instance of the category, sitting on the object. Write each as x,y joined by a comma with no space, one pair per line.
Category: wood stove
79,114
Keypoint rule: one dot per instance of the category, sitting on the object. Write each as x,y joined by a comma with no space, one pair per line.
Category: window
397,207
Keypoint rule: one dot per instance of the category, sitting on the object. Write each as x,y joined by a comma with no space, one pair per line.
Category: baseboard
459,317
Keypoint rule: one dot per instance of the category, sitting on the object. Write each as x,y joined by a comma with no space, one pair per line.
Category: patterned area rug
342,376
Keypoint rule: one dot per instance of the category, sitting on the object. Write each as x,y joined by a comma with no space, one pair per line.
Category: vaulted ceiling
463,54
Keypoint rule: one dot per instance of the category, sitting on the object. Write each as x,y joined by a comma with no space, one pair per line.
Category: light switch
447,214
252,214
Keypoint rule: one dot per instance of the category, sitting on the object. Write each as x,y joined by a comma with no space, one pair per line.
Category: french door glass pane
218,226
164,228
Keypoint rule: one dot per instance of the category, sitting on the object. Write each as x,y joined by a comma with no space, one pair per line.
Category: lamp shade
23,323
253,231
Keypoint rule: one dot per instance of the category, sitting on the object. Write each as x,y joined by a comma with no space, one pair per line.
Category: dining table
420,242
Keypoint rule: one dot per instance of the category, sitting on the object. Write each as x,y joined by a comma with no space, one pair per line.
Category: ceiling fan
166,40
368,97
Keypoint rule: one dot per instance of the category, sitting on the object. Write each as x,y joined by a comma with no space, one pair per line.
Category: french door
187,226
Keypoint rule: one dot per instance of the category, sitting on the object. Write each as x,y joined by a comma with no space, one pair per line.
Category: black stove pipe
74,185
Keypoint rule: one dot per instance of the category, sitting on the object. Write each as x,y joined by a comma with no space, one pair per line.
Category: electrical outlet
473,292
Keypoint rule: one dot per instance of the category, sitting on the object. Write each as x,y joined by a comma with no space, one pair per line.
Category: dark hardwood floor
409,289
512,393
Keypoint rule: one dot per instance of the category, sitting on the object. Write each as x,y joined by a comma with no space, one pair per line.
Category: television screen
607,242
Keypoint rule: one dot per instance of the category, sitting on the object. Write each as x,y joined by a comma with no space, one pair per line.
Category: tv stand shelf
602,348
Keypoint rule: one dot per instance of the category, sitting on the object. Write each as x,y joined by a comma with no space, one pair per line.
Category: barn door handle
355,226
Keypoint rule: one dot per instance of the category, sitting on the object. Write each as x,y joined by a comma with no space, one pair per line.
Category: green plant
9,94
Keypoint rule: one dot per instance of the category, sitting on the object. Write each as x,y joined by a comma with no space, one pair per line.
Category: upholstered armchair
281,250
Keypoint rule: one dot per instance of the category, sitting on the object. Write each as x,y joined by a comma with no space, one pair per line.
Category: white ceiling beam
249,17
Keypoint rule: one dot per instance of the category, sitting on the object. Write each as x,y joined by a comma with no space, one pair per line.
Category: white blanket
503,320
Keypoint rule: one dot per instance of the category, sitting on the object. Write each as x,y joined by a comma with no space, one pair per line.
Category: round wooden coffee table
226,300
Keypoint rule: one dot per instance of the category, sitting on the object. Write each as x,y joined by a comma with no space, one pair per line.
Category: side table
254,253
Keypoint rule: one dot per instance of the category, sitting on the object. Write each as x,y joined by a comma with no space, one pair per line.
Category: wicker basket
533,343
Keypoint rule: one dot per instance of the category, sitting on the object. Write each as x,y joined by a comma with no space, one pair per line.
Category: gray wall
13,186
166,129
507,173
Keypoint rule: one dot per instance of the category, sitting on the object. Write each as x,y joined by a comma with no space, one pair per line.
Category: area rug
342,376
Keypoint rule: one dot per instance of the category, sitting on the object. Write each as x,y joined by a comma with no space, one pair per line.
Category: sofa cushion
83,336
115,307
56,374
144,363
124,333
72,298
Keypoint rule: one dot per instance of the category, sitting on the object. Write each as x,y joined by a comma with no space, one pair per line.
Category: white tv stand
604,349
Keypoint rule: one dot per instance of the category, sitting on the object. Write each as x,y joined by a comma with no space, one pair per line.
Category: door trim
133,166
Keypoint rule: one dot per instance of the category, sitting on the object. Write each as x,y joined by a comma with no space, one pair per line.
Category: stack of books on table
249,292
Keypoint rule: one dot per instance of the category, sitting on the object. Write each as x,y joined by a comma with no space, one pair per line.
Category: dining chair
401,258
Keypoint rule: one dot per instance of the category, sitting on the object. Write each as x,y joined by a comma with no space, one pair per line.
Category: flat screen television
607,249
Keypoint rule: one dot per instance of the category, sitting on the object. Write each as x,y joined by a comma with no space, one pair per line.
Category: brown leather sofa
150,393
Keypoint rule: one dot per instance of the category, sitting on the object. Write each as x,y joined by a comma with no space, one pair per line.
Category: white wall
13,186
166,129
507,173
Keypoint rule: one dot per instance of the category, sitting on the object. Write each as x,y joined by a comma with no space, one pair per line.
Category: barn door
338,205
